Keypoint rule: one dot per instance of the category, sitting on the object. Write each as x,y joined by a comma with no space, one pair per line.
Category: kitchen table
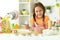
28,37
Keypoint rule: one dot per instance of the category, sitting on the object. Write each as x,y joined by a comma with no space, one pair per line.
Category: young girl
39,21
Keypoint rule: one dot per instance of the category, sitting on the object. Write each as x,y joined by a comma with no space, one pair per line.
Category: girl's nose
38,12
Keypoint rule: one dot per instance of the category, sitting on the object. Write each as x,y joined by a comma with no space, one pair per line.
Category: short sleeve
32,21
46,19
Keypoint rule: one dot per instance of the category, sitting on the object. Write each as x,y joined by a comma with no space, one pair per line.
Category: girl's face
38,12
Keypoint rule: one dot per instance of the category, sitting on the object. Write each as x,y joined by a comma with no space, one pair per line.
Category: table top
28,37
12,36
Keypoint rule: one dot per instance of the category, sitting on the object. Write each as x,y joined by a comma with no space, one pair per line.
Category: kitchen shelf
25,11
24,15
24,2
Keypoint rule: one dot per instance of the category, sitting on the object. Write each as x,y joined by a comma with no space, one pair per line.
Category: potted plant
24,12
48,9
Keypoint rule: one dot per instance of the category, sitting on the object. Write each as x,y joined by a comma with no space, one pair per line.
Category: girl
39,20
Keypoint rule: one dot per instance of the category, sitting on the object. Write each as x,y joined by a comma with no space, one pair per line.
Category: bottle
6,25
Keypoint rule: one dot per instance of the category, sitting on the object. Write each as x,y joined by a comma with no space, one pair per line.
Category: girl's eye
36,11
40,10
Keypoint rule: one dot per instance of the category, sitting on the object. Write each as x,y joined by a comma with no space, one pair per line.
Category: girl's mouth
40,15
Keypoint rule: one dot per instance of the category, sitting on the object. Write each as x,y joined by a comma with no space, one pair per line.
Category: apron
40,26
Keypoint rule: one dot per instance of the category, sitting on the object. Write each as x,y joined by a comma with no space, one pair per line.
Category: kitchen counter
28,37
12,36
